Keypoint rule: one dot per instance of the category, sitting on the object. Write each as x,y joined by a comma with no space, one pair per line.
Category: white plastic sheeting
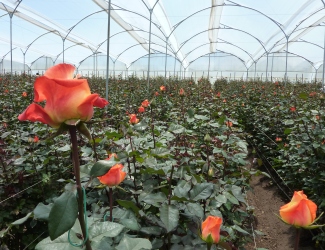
273,37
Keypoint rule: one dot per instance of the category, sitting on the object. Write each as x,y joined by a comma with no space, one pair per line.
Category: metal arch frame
240,59
73,45
229,5
225,42
310,62
31,64
138,30
225,28
155,53
11,14
28,46
150,21
5,57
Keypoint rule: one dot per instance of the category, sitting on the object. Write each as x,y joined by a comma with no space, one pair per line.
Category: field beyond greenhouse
186,149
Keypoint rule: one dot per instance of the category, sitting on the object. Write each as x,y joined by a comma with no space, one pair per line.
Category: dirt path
266,200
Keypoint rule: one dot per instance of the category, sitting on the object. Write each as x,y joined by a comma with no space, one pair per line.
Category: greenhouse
235,40
162,124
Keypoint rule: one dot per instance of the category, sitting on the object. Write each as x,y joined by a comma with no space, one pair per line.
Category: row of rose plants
285,124
162,166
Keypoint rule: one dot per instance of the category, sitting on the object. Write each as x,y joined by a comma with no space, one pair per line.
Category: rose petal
60,71
35,112
100,102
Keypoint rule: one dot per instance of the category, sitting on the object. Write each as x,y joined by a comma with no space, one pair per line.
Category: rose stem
110,204
76,165
298,231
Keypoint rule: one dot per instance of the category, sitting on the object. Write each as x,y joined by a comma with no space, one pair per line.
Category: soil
266,199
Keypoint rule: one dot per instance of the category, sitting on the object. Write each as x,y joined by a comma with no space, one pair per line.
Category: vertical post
267,65
255,72
63,40
286,72
10,15
175,65
108,40
166,61
323,64
209,67
272,68
150,11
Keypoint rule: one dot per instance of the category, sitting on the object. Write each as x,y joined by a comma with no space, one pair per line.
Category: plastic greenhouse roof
247,31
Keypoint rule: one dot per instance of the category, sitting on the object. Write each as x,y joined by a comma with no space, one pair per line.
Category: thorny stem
76,165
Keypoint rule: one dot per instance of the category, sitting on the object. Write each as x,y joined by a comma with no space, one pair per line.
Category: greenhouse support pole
108,40
267,65
246,75
166,61
209,67
255,72
272,68
11,14
286,73
323,65
150,20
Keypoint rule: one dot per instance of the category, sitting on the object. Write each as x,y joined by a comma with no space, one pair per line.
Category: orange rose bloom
133,119
211,226
141,109
156,94
162,88
181,92
24,94
292,109
229,123
36,139
67,99
113,177
300,211
145,103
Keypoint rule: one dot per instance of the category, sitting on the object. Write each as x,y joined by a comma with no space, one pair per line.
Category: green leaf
19,161
169,215
129,205
154,199
22,220
231,198
63,214
201,191
160,152
100,229
287,131
64,148
182,189
130,224
141,126
176,129
60,243
42,212
128,243
237,192
101,167
201,117
190,113
195,209
5,134
303,96
239,229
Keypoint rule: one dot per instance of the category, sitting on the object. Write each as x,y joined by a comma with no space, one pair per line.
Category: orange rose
141,109
145,103
162,88
211,227
36,139
133,119
181,92
292,109
156,94
67,100
24,94
113,177
300,211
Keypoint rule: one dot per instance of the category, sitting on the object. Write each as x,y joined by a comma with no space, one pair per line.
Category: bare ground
267,200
